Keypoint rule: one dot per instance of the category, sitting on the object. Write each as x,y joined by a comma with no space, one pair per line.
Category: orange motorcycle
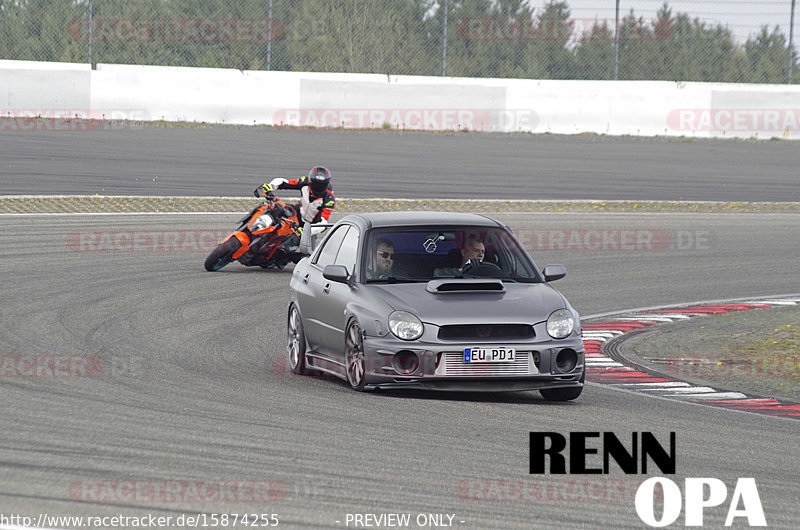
267,237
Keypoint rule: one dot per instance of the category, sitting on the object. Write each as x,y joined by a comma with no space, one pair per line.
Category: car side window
327,253
348,252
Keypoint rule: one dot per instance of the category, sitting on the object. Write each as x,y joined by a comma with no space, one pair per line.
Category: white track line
657,386
717,395
672,399
643,311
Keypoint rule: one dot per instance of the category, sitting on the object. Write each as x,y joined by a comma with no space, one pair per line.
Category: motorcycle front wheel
222,255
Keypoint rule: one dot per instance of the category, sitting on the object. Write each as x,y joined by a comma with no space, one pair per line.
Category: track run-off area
173,396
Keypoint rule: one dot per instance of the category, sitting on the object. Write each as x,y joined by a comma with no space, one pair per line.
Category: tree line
485,38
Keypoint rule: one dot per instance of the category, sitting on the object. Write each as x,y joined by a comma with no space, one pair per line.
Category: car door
334,298
313,284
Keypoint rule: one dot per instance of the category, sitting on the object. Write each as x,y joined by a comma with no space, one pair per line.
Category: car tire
563,394
354,358
296,342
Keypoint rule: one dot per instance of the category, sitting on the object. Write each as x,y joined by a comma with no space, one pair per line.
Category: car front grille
471,332
453,364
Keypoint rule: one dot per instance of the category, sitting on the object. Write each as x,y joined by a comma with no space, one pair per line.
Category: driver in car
473,250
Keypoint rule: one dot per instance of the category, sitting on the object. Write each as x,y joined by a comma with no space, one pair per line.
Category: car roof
407,219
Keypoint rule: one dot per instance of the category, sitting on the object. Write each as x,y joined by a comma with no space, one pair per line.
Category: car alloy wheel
296,342
354,356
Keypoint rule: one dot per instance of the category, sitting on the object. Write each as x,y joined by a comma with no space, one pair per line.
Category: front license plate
489,355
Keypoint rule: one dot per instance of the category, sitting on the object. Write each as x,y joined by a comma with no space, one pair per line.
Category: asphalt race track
189,380
120,160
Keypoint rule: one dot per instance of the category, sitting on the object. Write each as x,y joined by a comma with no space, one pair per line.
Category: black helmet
319,178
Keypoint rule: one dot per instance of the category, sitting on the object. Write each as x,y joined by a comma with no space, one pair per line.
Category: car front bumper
393,363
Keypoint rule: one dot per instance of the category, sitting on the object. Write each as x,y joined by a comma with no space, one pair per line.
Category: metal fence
748,41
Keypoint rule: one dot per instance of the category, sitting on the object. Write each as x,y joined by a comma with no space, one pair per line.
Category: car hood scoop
516,303
469,285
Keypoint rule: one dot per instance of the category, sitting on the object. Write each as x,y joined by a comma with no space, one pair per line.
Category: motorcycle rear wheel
222,255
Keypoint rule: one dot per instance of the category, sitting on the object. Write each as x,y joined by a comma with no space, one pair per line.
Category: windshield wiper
393,279
481,277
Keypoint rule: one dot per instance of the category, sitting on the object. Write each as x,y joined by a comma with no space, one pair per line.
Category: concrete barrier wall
28,86
642,108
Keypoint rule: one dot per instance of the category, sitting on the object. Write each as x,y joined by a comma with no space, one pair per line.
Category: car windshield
423,254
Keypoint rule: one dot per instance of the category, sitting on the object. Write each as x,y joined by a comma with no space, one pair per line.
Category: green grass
776,353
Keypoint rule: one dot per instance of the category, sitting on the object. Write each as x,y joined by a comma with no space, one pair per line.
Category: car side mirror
336,273
306,246
554,272
310,236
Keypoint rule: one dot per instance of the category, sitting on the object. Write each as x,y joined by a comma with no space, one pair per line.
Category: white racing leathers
308,208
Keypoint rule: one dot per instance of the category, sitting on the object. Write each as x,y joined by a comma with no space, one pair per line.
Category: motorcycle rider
317,200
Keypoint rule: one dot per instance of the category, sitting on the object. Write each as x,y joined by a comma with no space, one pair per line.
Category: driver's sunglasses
386,255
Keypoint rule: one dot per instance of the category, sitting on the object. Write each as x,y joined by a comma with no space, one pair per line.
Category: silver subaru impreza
438,301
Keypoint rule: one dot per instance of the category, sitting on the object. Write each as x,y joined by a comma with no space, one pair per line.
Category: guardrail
363,101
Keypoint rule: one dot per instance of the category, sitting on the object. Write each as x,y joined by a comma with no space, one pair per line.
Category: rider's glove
276,183
262,190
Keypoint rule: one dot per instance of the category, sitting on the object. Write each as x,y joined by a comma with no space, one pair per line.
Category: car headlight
404,325
560,323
